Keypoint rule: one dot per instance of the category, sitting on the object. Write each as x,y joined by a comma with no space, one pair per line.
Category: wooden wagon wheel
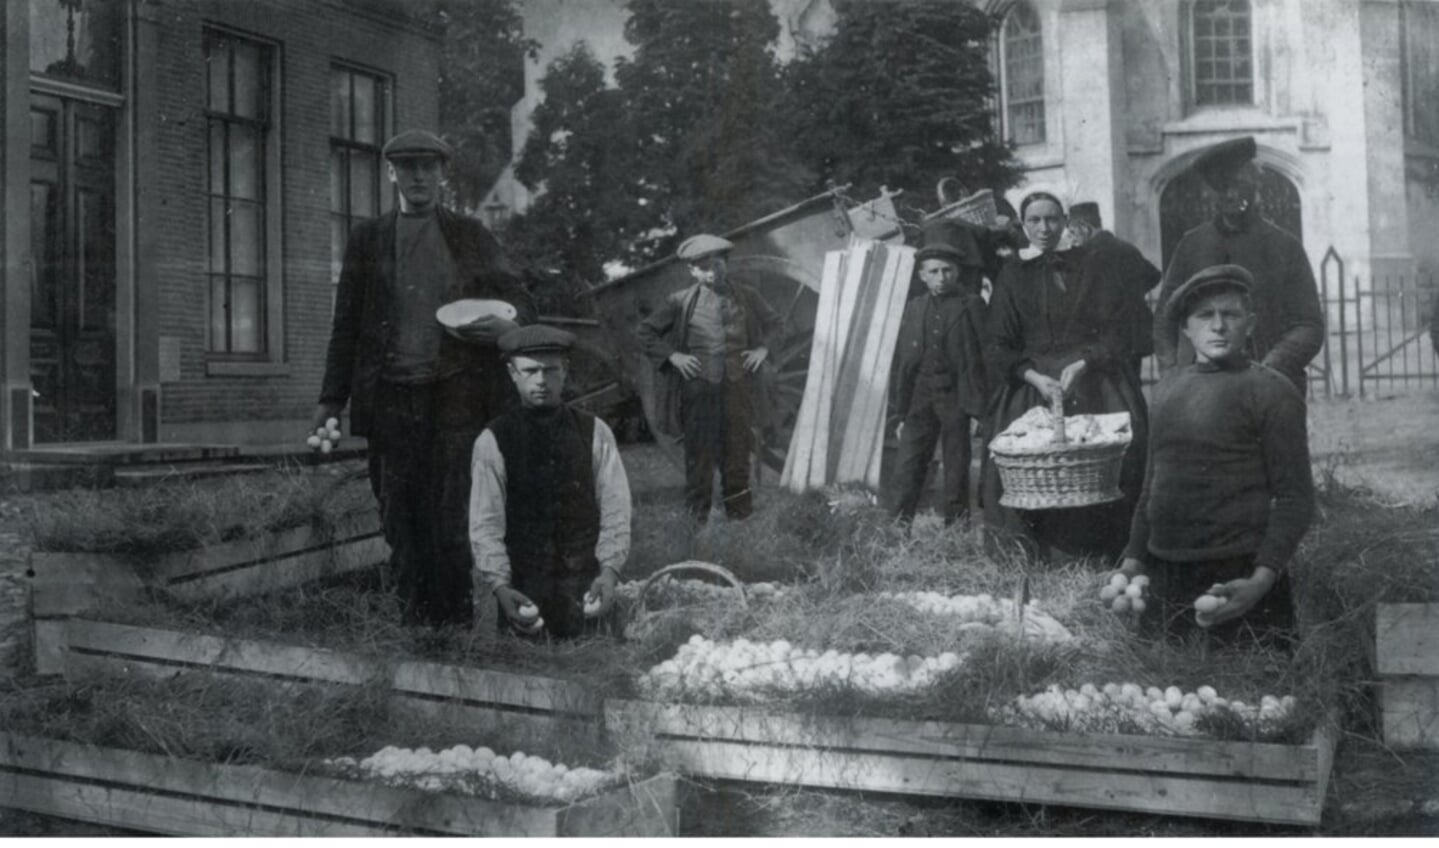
793,292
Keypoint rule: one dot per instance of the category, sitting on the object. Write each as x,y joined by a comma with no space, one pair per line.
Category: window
1022,63
76,41
239,80
359,116
1419,54
1221,53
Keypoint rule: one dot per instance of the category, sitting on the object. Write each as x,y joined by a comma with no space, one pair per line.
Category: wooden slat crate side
1028,783
50,646
982,742
1407,639
284,571
354,803
71,583
104,647
1409,709
182,566
646,808
499,687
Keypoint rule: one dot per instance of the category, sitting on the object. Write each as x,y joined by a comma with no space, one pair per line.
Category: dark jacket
363,332
1118,263
962,351
666,331
1289,326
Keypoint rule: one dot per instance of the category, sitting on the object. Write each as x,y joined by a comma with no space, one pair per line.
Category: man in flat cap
1117,263
549,502
938,384
1228,493
418,393
714,336
1289,330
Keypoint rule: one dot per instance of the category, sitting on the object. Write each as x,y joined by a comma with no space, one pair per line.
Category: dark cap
1217,165
535,338
416,144
1212,280
951,239
695,248
1086,212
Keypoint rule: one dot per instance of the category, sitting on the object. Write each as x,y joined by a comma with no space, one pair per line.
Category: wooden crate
73,583
502,701
1282,784
1406,651
160,794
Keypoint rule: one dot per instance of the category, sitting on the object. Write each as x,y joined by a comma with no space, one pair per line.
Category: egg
313,441
1140,580
1137,604
1207,603
1120,603
1118,578
1108,593
1134,590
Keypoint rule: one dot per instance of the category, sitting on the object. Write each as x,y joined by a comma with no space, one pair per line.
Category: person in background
716,334
418,394
550,502
938,384
1053,330
1289,327
1124,266
1229,492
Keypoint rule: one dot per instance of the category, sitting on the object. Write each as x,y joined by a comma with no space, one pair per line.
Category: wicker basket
1062,474
643,620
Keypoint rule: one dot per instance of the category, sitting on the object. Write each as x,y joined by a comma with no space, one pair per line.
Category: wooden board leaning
1406,650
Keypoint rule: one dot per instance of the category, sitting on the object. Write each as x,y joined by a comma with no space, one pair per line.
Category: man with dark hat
418,393
550,502
715,335
938,382
1228,493
1290,324
1104,255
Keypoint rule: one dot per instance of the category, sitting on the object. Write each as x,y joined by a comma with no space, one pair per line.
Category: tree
481,76
900,96
703,87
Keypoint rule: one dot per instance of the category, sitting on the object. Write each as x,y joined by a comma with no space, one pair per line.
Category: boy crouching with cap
1228,492
549,499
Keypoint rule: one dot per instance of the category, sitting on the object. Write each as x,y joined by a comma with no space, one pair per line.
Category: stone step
118,454
145,475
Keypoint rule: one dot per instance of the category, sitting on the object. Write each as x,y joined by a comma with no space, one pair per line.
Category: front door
72,307
1186,203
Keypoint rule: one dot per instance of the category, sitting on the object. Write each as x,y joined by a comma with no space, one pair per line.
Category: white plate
461,312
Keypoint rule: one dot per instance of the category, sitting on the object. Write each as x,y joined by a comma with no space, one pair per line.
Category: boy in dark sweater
1228,492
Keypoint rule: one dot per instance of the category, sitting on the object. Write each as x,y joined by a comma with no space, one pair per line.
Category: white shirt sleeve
487,512
612,491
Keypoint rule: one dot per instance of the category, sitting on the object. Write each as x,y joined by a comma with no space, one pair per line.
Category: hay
183,514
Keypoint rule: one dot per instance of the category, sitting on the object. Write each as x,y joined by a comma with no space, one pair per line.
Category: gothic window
1221,51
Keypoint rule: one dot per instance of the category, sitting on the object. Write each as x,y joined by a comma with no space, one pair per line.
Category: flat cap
1219,163
952,239
1086,212
536,338
1208,281
698,247
413,144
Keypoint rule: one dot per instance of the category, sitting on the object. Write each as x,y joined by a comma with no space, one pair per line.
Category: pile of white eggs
474,770
698,591
1117,706
754,671
985,611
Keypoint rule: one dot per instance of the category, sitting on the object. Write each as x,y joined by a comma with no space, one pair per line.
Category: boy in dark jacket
939,382
1228,493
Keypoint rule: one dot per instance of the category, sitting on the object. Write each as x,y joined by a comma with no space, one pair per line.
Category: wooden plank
854,322
287,571
990,743
795,476
100,647
866,433
50,646
1148,793
857,266
70,583
363,803
888,341
1409,709
1406,638
851,463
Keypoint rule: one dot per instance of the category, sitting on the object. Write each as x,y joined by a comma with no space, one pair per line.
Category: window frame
1191,62
1006,103
270,359
383,190
1415,138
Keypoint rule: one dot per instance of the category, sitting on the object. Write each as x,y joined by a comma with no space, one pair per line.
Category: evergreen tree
901,96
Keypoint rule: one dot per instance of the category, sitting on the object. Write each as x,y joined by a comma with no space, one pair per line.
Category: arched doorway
1186,203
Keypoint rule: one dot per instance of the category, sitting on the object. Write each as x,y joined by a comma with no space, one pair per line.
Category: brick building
179,177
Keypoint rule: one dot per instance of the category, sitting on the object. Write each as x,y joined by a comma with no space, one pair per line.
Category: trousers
933,418
717,428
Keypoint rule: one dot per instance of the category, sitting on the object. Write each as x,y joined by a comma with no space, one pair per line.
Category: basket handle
1056,411
690,565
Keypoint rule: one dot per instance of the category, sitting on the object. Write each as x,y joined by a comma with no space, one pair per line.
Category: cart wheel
793,292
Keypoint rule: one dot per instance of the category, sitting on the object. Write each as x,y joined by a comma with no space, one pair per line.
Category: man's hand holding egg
1124,592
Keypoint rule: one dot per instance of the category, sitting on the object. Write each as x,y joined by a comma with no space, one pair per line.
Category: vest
550,507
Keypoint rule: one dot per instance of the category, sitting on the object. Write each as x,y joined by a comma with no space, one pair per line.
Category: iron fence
1379,332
